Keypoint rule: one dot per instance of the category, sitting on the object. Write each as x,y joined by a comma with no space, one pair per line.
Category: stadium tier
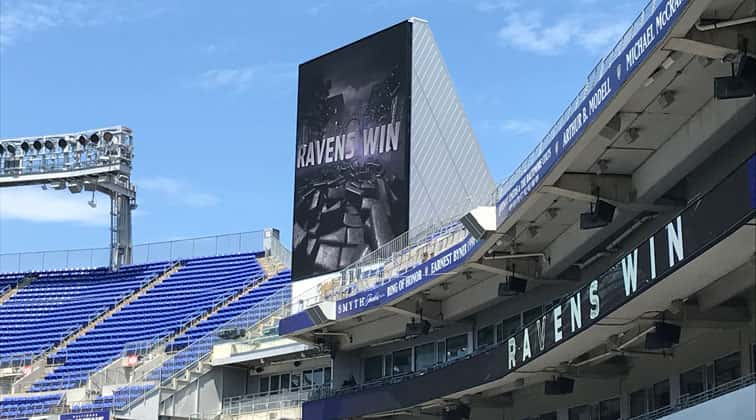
198,286
27,406
56,304
217,319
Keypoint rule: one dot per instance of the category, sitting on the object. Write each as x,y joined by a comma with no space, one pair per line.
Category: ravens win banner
351,182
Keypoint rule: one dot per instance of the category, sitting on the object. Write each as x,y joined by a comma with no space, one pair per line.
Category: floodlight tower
91,160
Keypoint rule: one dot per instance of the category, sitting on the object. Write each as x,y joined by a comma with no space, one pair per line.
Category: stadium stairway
39,366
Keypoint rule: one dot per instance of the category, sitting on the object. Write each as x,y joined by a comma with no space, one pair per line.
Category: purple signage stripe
641,45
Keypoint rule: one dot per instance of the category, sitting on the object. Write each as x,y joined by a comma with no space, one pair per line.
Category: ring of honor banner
351,182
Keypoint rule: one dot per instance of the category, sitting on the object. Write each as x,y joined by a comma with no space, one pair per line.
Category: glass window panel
307,379
753,358
531,315
327,375
264,382
387,365
441,351
582,412
318,376
274,383
726,369
486,336
285,382
373,368
402,362
499,333
510,326
295,381
693,381
548,416
638,403
425,356
609,409
456,346
660,395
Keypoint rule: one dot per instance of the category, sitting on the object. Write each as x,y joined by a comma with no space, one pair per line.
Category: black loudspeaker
731,87
559,386
513,285
416,329
602,215
664,336
459,412
746,68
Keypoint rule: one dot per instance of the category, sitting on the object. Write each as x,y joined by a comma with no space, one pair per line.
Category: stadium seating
197,287
57,303
117,400
269,287
8,280
15,407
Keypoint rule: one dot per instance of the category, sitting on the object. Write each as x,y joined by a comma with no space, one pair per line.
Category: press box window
609,409
425,356
456,346
638,403
402,362
726,369
660,394
693,382
373,368
486,336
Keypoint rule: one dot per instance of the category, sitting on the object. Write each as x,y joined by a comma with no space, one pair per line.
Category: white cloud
32,204
21,18
242,78
495,5
178,191
239,78
530,31
523,127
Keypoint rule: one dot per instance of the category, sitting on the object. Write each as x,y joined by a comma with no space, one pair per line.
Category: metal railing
593,78
205,246
687,400
198,351
262,402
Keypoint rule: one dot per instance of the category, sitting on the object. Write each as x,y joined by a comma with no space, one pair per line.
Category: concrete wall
448,173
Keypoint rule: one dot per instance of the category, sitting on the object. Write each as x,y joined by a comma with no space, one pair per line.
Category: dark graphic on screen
351,187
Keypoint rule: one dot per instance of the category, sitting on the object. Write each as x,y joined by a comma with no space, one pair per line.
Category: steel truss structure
98,160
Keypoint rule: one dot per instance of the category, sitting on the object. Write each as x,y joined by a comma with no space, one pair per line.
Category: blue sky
209,89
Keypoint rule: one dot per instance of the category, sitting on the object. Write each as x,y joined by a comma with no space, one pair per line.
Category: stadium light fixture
49,145
25,147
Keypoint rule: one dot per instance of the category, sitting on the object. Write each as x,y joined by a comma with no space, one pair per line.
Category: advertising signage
351,179
637,50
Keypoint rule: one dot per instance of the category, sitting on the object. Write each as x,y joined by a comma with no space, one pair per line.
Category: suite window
307,379
373,368
295,381
531,315
317,377
753,357
693,382
456,346
582,412
264,385
509,326
609,409
638,403
548,416
402,362
425,356
660,396
726,369
441,351
285,382
275,384
327,375
388,363
486,336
